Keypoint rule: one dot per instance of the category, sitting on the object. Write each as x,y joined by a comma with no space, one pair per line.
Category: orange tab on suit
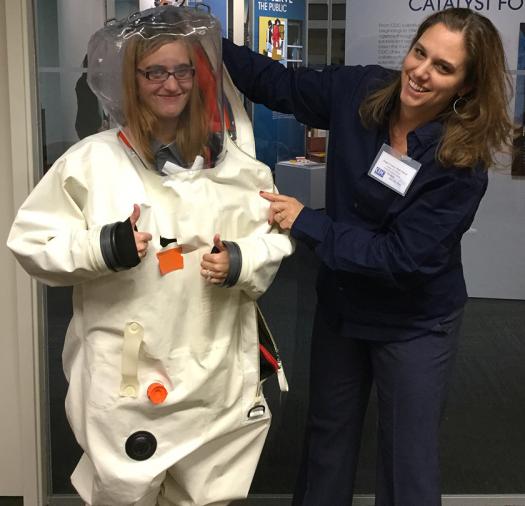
170,260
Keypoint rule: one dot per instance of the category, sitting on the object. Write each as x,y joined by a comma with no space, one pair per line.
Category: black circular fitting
141,445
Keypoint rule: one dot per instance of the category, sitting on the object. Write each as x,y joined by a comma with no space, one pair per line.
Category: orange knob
157,393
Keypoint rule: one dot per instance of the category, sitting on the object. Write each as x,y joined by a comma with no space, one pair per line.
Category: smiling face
433,73
165,99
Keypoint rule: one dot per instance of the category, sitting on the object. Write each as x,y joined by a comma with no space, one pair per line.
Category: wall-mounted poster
278,32
380,32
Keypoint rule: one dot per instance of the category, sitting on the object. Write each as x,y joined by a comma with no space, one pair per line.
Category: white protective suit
137,327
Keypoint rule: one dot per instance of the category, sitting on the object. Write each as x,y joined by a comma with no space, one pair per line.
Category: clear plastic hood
139,79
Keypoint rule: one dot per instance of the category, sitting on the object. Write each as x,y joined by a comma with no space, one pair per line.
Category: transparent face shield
163,66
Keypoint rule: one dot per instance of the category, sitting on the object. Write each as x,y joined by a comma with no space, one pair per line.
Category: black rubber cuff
235,263
117,244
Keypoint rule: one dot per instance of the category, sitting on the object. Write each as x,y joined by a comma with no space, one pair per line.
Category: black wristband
117,244
235,263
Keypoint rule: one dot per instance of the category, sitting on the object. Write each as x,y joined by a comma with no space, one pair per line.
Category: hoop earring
457,103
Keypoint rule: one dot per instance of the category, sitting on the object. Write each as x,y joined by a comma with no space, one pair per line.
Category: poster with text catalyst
380,31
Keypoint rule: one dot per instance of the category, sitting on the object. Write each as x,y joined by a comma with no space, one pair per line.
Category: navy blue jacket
391,264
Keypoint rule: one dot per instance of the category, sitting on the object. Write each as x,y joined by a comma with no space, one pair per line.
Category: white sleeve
261,257
50,237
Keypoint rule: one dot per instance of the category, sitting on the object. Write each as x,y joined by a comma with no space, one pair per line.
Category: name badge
394,170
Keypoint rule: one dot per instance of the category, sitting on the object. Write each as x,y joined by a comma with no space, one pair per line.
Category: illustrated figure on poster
159,226
276,40
269,35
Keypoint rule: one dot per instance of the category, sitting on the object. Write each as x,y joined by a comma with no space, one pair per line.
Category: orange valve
157,393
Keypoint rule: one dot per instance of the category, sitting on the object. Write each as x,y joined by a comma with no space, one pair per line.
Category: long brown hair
481,126
192,124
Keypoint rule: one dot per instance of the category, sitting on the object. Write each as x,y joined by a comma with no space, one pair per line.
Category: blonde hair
192,124
480,126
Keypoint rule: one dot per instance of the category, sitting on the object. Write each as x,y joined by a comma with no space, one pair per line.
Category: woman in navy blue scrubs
407,168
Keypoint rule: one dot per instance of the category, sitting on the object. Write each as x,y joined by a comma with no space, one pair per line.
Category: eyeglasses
160,74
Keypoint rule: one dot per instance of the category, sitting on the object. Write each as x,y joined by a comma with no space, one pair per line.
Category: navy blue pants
411,379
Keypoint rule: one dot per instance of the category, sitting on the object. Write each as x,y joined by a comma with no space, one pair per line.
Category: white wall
20,434
494,247
10,437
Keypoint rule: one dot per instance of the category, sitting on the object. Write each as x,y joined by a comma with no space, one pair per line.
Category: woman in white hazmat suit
161,354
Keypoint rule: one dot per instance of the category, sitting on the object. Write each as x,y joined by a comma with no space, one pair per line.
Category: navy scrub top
391,264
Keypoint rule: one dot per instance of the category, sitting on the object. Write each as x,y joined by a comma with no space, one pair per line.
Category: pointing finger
273,197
